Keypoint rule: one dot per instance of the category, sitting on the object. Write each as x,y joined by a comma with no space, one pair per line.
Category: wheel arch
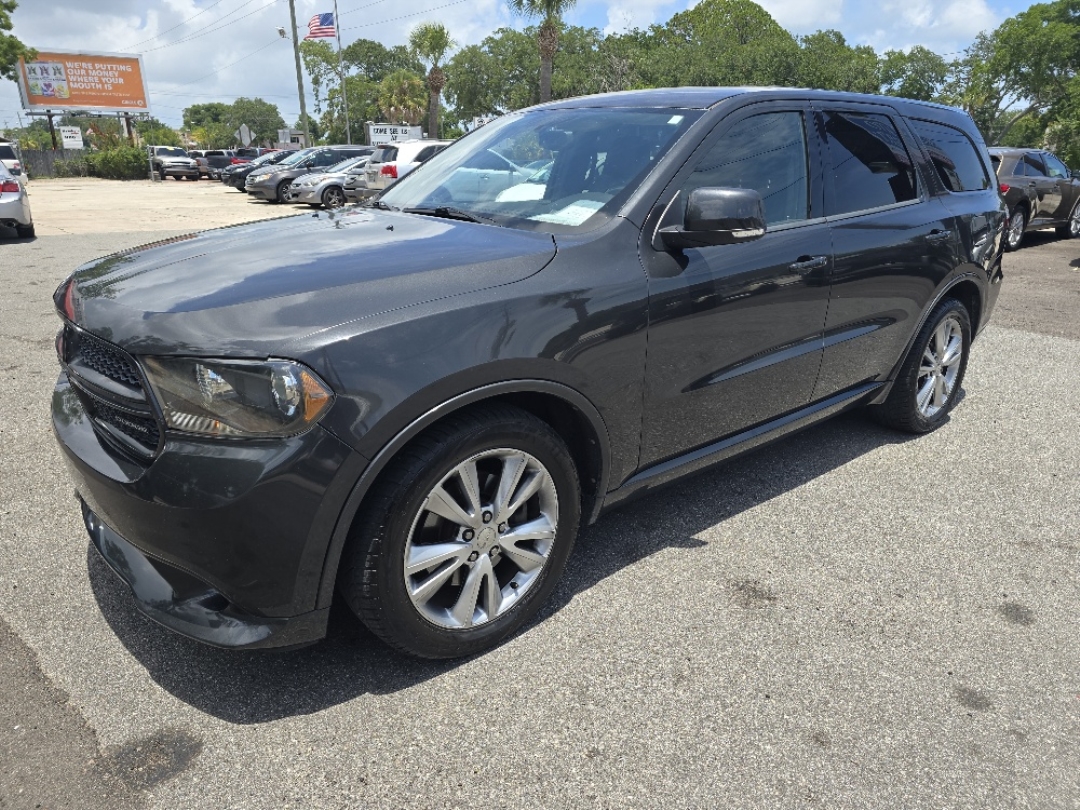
965,289
566,410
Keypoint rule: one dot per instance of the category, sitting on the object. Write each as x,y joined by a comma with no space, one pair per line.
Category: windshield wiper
446,212
373,203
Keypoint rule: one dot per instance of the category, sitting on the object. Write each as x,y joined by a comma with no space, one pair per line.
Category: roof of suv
702,98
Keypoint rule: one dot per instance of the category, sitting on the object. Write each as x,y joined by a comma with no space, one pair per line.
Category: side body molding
387,453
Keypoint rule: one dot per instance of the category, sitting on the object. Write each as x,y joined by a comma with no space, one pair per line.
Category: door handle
804,264
938,235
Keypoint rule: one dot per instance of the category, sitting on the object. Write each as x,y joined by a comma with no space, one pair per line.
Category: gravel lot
850,618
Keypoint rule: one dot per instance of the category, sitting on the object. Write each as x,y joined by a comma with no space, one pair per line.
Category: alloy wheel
333,197
481,539
1016,228
1074,222
940,365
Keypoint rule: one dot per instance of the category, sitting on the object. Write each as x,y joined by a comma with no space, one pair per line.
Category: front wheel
465,536
281,194
1014,235
1072,230
928,385
333,197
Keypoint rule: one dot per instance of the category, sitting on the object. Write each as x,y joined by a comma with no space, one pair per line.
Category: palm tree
430,41
550,12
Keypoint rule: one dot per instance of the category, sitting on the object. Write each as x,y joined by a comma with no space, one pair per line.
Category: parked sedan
1040,192
14,205
326,189
236,174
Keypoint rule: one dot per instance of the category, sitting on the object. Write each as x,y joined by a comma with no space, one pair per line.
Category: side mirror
718,216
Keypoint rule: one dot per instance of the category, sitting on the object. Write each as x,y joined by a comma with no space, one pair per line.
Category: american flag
321,25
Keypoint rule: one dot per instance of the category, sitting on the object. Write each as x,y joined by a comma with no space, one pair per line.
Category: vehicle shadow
247,687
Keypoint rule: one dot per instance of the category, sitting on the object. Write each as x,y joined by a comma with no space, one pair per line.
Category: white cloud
805,16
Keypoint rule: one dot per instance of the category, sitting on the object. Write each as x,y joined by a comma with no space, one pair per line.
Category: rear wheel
465,536
927,387
25,231
1014,235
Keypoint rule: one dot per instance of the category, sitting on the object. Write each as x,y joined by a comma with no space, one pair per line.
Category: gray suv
272,183
416,404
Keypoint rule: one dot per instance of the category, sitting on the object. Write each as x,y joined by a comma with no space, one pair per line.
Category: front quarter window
547,170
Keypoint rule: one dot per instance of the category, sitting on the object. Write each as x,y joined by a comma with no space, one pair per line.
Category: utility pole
299,72
341,72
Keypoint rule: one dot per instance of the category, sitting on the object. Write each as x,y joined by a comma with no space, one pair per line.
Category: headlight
237,397
309,182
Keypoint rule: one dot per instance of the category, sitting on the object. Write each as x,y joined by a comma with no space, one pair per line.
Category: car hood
251,290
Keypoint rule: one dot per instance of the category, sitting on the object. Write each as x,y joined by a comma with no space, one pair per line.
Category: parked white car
14,205
10,160
393,161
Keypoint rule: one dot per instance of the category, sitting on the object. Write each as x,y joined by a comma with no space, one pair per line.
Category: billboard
69,80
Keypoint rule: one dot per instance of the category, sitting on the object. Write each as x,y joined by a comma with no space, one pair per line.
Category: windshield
295,157
343,166
549,170
171,151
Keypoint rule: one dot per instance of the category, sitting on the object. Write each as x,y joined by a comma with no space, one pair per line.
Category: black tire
1071,229
372,573
281,191
1013,238
177,178
25,231
901,410
333,197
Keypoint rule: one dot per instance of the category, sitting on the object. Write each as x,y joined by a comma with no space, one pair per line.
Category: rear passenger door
1047,193
893,243
966,185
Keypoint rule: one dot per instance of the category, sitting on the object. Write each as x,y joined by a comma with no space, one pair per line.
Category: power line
202,32
274,41
163,33
405,16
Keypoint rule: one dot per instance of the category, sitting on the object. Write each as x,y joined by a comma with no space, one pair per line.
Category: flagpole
341,72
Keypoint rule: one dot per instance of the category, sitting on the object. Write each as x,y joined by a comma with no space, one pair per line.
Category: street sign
244,135
72,137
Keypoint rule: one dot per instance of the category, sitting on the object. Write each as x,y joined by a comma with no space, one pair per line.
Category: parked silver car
326,188
14,205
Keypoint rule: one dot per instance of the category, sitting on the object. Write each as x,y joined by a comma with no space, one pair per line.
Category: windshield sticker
675,120
573,214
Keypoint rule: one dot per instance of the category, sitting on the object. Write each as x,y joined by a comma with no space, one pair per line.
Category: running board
667,471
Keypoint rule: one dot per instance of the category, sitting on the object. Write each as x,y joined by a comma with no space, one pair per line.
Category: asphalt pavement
850,618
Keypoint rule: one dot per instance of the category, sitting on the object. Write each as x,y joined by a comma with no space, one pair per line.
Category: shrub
76,167
120,163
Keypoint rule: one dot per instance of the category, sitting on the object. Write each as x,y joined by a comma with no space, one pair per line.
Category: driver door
735,331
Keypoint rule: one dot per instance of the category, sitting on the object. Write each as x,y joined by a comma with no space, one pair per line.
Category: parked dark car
218,160
416,403
1040,192
272,183
236,175
172,161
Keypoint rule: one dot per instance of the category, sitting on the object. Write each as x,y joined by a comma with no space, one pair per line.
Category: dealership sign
66,80
378,134
71,137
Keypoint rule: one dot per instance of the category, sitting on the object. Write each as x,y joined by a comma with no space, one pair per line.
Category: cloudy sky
206,50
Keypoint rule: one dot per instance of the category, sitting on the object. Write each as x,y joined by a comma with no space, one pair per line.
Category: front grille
118,406
107,360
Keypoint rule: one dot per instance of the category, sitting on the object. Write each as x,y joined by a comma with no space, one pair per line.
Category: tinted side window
870,165
764,152
385,155
1033,166
6,152
425,153
1054,167
953,155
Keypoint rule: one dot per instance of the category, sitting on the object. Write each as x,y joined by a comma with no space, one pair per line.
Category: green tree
430,41
200,115
919,74
549,12
363,106
827,62
402,98
11,49
718,42
375,61
321,64
261,116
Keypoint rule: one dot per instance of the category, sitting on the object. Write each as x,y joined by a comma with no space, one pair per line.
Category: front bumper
180,171
223,541
265,189
311,195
